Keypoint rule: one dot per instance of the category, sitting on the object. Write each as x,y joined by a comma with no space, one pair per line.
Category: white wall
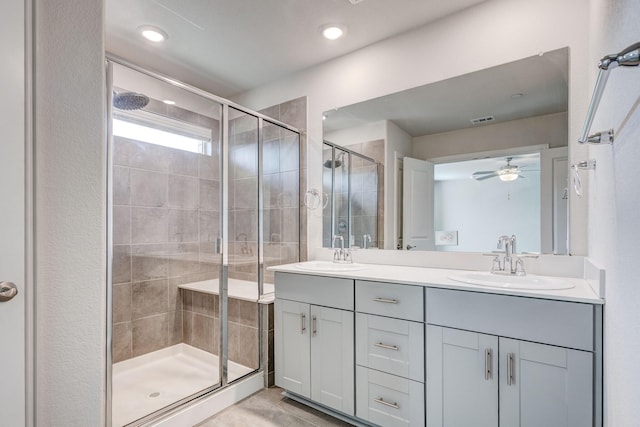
614,200
70,213
548,129
492,33
499,208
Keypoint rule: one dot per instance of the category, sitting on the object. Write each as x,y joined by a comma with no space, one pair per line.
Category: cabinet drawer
318,290
560,323
392,300
388,400
390,345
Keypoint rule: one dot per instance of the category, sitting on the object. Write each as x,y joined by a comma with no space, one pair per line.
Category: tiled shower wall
165,226
367,193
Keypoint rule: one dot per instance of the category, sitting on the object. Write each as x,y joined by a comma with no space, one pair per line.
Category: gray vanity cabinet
390,354
462,378
314,328
484,370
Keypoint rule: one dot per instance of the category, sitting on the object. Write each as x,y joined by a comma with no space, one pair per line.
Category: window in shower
203,195
194,140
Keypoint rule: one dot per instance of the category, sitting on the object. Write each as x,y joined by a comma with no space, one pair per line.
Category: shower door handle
8,290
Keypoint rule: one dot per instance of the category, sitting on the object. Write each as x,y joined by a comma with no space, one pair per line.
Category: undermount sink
329,266
513,282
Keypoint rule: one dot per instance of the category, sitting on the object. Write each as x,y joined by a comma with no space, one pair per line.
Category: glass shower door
166,234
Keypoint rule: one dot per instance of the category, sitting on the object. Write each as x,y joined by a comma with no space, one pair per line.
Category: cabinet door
543,385
292,352
462,378
332,359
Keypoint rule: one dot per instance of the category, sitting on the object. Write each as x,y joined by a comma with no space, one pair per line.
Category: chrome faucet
511,262
244,244
341,255
366,240
508,265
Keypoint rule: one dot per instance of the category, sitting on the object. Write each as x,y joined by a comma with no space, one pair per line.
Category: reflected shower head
130,101
334,164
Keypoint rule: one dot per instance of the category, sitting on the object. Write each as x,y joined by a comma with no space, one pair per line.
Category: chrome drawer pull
511,369
314,329
488,361
302,323
387,300
388,347
382,402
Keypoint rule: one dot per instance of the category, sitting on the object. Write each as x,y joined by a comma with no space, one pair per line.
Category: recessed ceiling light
332,31
153,34
169,102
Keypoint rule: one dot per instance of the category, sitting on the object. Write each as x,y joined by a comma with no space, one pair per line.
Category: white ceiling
451,104
231,46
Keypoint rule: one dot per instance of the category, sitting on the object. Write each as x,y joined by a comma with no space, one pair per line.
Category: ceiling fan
507,172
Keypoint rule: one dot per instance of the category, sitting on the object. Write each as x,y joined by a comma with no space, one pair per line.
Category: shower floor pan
150,382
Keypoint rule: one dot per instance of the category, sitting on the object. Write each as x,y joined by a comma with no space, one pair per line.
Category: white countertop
439,278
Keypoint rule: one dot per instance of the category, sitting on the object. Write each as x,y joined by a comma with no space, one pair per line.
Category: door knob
409,247
7,291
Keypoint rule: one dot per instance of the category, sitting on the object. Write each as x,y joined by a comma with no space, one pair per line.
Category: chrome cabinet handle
511,369
409,247
303,318
488,361
386,300
314,327
382,402
388,347
8,290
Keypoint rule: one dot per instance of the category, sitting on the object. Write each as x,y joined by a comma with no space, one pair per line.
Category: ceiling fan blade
481,178
482,172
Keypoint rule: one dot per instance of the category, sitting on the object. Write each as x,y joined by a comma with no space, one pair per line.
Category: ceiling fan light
511,176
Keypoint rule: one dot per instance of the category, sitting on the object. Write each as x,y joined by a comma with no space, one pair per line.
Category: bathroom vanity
408,346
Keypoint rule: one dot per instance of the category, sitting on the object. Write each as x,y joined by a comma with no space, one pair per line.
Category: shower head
336,163
130,101
629,57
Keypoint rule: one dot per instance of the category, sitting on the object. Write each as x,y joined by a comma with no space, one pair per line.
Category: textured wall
70,213
614,223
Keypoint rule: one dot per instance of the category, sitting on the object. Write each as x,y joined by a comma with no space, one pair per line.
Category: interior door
417,205
12,214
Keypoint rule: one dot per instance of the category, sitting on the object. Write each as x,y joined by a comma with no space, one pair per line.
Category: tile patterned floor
268,408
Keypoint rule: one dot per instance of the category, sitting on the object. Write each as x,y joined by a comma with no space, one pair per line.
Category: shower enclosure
204,195
350,179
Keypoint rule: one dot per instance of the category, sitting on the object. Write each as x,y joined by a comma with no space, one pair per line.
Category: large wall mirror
461,161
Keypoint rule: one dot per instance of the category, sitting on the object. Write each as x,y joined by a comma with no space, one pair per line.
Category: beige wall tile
149,298
121,346
149,225
149,334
